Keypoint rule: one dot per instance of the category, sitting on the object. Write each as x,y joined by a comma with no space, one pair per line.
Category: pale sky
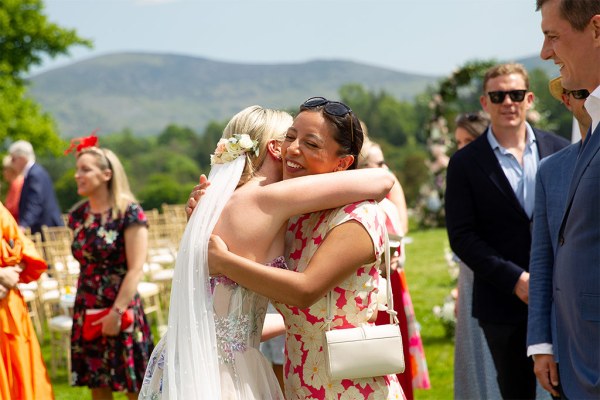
431,37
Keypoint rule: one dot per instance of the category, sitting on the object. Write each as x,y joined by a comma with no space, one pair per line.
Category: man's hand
522,287
3,292
9,276
198,191
546,372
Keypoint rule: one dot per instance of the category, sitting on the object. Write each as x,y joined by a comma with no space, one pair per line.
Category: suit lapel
591,148
485,157
543,145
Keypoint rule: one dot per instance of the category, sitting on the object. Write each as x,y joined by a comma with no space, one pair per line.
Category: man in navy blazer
38,205
572,41
489,207
552,184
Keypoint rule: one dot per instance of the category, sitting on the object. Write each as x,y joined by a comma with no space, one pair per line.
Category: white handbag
367,350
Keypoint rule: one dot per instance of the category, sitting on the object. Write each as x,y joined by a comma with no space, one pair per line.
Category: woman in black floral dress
110,243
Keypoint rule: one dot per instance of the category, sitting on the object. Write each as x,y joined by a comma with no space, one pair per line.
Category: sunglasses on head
335,108
498,96
579,94
471,117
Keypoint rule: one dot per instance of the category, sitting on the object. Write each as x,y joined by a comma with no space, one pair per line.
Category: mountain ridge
145,92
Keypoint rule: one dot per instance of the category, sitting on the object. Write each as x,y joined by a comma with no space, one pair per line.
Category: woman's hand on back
217,249
197,192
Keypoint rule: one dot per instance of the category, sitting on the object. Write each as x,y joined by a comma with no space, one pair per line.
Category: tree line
163,168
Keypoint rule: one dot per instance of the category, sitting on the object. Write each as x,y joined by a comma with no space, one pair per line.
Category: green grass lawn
429,283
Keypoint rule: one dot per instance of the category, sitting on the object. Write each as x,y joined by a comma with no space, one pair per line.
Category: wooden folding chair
51,233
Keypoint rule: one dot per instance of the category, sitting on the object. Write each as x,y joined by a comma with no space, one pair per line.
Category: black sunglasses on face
498,96
335,108
579,94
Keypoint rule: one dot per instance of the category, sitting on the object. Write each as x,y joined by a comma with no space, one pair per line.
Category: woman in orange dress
23,373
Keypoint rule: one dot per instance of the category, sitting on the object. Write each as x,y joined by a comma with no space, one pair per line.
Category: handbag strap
390,299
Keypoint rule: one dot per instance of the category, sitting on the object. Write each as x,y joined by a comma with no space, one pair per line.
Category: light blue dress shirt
520,177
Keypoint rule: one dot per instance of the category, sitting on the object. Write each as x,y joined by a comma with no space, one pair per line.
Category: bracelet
118,310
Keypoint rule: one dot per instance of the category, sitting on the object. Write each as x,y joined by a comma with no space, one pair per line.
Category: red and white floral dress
355,301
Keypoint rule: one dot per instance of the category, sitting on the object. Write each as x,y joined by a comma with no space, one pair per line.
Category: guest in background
574,100
15,185
371,156
552,185
470,126
110,239
415,375
23,373
474,371
38,205
490,187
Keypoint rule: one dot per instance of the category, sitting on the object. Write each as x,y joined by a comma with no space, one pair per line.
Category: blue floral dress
117,362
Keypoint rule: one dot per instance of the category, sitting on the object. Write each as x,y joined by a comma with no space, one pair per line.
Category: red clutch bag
91,331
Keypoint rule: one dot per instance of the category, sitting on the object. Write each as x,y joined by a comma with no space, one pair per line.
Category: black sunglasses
335,108
498,96
579,94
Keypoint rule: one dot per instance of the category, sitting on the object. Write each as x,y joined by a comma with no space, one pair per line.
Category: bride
210,350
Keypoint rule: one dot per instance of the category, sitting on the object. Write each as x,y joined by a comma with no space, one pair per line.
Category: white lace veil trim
192,370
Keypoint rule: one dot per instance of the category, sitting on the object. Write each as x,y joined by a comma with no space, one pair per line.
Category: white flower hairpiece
231,148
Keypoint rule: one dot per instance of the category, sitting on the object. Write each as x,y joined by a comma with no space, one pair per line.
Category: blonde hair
363,156
506,69
120,195
365,153
262,125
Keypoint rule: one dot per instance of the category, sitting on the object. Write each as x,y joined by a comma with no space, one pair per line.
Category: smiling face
310,148
89,177
577,53
509,114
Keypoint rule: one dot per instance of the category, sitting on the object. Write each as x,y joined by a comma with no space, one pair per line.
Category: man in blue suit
552,184
572,40
489,205
38,205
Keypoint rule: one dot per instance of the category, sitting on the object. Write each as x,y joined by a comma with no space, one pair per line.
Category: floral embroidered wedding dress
210,350
244,372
